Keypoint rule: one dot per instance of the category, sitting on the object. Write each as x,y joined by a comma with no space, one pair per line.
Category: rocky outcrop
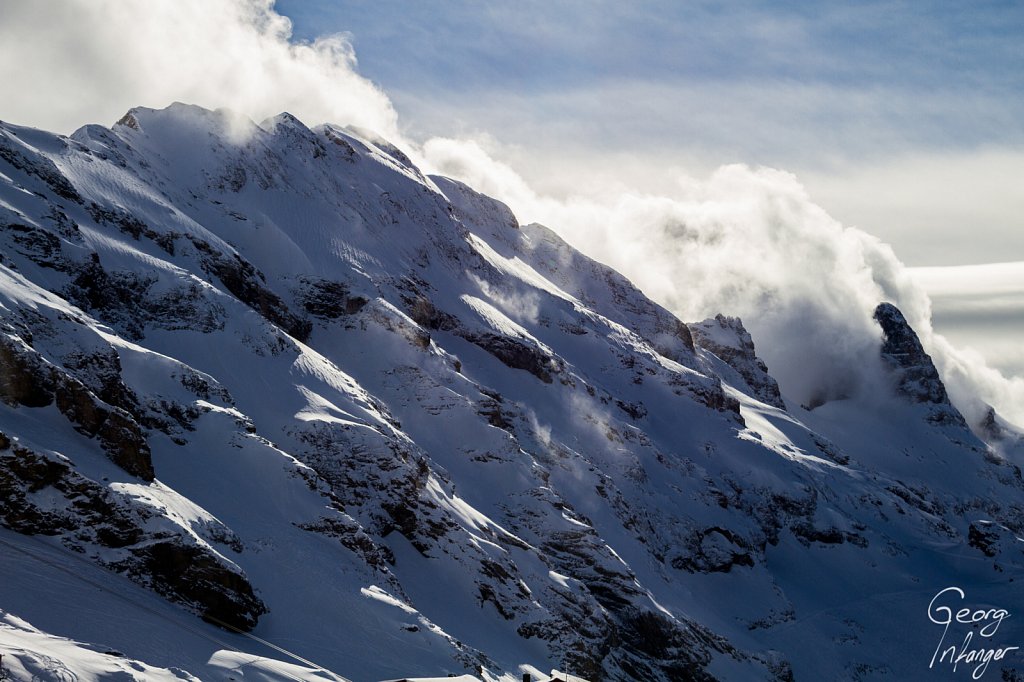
23,158
129,301
517,353
35,243
248,285
198,578
603,618
118,433
714,550
915,375
998,432
327,299
727,338
24,377
28,380
41,494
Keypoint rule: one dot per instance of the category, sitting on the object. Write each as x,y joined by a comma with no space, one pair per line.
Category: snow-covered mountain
276,405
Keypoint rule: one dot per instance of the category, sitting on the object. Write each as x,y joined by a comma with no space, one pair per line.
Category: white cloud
982,306
1006,279
934,207
70,62
931,171
751,242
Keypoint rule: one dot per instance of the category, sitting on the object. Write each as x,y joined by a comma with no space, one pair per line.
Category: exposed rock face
728,339
20,158
327,299
999,433
199,578
246,283
114,529
24,378
27,379
516,354
915,373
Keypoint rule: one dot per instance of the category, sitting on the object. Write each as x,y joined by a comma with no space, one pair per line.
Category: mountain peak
129,120
917,379
728,339
180,119
283,120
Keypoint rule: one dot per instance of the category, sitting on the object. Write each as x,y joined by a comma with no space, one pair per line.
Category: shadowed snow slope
276,379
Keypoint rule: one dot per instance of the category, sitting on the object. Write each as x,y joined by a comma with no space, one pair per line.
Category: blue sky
904,118
468,44
954,74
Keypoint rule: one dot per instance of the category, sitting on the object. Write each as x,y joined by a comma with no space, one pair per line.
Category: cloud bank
743,241
750,242
71,62
983,305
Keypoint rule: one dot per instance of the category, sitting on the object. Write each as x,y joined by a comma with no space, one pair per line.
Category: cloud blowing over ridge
744,241
751,242
71,62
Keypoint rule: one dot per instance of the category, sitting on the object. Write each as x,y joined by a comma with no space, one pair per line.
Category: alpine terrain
276,405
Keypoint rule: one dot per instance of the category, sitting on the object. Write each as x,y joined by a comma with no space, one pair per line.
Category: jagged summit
180,113
283,380
283,119
913,369
728,339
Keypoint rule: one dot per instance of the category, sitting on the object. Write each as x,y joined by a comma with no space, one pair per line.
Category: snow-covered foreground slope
277,380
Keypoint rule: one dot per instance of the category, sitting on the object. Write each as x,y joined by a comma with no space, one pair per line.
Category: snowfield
274,405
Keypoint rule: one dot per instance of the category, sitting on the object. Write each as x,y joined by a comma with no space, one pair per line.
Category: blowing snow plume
222,53
750,242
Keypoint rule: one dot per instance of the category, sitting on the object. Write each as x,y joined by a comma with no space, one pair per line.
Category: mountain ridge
371,396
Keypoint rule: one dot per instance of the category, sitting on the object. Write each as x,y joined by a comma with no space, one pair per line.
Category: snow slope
277,379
